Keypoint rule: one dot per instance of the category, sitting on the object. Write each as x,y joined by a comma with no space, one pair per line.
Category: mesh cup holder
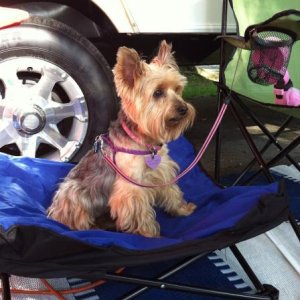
269,56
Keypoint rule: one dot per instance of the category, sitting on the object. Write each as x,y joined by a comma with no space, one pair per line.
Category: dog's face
151,94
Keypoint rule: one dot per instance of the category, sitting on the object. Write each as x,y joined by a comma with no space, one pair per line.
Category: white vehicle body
56,91
165,16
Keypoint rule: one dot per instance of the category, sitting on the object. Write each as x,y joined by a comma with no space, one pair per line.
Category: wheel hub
41,105
29,121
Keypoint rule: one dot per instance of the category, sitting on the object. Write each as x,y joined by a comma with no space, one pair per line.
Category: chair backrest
247,13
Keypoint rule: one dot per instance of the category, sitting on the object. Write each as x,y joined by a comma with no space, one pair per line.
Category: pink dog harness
150,154
152,158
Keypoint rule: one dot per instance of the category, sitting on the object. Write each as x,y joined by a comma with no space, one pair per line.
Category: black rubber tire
59,44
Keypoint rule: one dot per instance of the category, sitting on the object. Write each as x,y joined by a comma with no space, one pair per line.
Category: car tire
57,91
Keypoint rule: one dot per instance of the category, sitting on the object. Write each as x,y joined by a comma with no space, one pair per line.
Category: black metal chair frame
225,94
264,291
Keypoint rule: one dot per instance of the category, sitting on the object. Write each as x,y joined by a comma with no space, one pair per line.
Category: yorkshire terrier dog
94,195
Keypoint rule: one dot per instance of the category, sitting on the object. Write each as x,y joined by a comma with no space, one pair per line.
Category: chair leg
294,225
278,157
268,294
238,255
263,289
272,138
164,276
221,94
5,286
264,148
262,164
251,144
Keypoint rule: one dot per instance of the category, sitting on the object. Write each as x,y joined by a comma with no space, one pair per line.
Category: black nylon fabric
32,251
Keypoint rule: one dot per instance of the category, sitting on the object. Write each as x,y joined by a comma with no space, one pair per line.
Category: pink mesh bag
268,64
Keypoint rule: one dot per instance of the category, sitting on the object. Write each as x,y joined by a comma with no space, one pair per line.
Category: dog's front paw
150,230
186,209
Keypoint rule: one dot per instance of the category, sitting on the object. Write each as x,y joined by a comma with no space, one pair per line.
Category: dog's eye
158,93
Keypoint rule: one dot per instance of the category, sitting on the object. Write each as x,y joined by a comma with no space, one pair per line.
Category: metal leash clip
98,144
153,152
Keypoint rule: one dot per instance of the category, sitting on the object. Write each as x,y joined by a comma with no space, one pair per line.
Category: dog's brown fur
92,195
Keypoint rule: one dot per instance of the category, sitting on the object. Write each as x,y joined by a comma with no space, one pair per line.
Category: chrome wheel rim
43,112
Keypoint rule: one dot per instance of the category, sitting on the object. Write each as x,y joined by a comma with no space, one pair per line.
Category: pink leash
183,173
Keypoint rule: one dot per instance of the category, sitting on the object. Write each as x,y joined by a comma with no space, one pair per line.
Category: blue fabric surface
27,186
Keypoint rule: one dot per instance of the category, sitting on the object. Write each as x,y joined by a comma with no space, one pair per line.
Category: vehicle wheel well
83,16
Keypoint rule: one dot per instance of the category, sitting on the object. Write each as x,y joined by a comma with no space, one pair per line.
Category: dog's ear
165,56
129,66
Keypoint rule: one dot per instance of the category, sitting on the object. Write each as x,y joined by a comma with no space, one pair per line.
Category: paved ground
235,152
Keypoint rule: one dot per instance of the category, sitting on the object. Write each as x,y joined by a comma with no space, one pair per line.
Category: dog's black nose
182,109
